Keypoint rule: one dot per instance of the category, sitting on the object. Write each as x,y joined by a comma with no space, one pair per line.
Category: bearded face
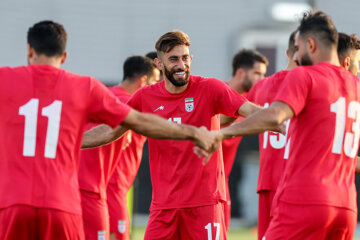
178,77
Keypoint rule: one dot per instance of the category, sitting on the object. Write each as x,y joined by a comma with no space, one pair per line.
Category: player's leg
203,223
58,225
343,226
95,216
18,222
163,225
265,203
305,222
118,212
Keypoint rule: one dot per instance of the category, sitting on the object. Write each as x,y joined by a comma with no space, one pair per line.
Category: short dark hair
291,44
151,55
320,25
136,66
347,43
48,38
170,40
246,58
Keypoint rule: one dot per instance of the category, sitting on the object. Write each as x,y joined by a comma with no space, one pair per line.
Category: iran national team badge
121,226
189,104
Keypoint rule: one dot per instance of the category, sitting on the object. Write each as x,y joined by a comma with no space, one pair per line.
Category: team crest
189,104
121,226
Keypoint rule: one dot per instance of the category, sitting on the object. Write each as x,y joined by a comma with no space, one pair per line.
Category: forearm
153,126
248,108
226,120
101,135
254,124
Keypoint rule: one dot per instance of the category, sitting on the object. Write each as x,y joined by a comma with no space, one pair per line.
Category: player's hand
214,141
206,140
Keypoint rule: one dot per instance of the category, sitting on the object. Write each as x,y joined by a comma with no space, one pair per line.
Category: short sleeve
135,100
227,101
294,89
104,106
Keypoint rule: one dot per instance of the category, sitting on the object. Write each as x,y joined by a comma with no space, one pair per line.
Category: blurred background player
271,144
248,67
98,164
153,55
349,52
322,97
138,72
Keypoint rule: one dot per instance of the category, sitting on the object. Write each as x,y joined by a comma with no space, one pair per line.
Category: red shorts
198,223
227,208
311,222
31,223
118,211
95,216
265,202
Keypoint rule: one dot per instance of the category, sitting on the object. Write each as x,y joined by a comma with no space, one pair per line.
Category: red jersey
324,136
129,163
179,179
271,144
229,148
42,120
98,164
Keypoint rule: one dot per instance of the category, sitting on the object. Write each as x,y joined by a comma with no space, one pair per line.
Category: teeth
180,73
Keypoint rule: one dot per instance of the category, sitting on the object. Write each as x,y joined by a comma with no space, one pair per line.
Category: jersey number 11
53,113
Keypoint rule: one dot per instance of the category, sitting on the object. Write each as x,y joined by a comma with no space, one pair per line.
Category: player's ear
64,57
143,81
159,64
311,45
239,74
346,62
31,53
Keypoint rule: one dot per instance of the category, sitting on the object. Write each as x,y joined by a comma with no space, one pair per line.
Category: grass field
240,234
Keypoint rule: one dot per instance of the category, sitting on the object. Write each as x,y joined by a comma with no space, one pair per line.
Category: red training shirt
179,179
43,113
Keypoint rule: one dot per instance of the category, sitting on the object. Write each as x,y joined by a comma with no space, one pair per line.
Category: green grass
238,234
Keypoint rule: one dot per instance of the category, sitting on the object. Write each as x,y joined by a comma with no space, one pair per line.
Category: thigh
58,225
18,222
265,203
343,225
163,225
119,214
95,216
308,222
203,223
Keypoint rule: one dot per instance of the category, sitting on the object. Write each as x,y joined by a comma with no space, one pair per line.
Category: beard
180,82
305,60
247,84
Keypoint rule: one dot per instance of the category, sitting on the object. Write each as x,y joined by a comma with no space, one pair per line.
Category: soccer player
43,112
349,52
271,144
98,164
316,196
248,67
187,201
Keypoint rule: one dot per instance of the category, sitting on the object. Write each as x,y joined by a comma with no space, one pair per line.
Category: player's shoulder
199,81
6,70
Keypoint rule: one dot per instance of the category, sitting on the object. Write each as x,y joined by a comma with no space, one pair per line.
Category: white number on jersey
53,113
209,231
277,141
175,120
351,141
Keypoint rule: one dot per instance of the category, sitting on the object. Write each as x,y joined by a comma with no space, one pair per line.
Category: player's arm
266,119
152,126
246,109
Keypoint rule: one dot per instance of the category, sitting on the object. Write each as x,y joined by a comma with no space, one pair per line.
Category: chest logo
189,104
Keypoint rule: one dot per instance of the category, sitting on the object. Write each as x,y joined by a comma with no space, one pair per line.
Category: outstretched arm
266,119
246,109
151,126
